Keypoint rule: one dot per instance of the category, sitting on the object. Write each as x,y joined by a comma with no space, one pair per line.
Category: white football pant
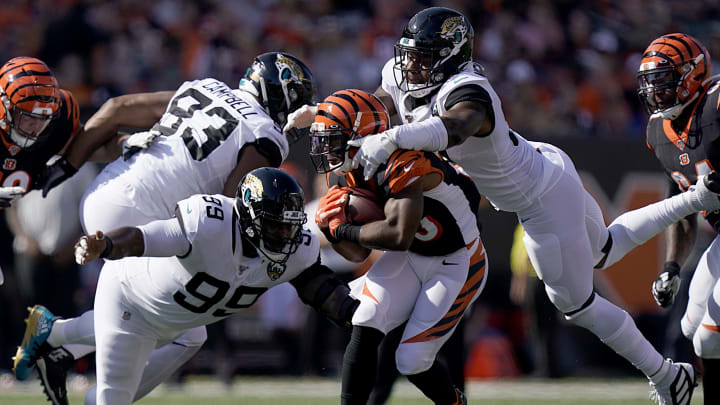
431,293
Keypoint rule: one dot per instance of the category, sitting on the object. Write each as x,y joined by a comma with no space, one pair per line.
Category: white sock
616,329
77,335
636,227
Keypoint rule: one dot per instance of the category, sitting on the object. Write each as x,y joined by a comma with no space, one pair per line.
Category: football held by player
434,265
677,89
447,104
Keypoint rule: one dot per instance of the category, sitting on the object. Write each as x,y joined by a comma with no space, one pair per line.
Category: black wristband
672,267
108,248
348,232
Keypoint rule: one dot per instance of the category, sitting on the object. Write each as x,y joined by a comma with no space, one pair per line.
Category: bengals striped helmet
30,100
342,116
673,73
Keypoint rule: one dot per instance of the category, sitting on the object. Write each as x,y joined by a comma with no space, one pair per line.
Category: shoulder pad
405,167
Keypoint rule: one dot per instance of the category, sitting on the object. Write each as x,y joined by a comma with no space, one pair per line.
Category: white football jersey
203,129
505,167
216,278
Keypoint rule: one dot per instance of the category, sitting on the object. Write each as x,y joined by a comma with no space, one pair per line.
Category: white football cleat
680,390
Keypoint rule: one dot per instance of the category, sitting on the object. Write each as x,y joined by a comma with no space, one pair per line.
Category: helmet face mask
673,73
30,100
658,89
269,207
281,82
343,116
329,148
435,45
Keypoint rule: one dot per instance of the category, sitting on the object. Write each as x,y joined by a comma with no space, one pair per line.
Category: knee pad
546,256
410,360
707,343
194,337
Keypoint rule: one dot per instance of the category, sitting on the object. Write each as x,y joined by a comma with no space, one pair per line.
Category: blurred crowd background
564,69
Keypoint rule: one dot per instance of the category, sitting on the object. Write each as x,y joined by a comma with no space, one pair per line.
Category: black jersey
695,150
26,167
449,220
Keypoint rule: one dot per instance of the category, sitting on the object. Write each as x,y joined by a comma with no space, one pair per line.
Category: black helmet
269,206
282,83
438,41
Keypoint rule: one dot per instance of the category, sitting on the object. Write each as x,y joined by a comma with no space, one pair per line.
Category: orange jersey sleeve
405,167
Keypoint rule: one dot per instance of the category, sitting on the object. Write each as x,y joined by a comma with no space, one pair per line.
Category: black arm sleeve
475,93
318,287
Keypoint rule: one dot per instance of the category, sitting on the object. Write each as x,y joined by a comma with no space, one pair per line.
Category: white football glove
81,250
665,288
303,117
137,142
10,194
374,151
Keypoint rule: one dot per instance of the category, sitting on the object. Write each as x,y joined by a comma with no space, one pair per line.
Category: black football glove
56,173
666,287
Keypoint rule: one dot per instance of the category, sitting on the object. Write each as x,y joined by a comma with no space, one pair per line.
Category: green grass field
318,391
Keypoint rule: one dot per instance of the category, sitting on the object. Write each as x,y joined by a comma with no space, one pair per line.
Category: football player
434,264
446,104
205,138
214,258
38,120
682,99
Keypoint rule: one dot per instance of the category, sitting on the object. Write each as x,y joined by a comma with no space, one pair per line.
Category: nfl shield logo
684,159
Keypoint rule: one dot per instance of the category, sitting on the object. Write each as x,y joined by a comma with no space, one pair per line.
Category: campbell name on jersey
202,131
506,169
26,167
448,219
221,274
691,151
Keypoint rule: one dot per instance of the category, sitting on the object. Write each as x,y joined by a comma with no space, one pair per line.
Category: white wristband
430,135
164,238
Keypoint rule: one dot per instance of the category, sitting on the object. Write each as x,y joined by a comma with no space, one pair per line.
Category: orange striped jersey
693,150
449,220
26,167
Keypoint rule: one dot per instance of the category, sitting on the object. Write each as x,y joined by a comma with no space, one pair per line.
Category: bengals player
434,264
683,100
37,120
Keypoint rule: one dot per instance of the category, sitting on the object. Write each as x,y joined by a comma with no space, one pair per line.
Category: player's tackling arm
264,153
99,140
318,287
161,238
386,98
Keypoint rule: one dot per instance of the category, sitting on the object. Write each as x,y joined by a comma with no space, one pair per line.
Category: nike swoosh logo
447,263
187,209
408,167
522,221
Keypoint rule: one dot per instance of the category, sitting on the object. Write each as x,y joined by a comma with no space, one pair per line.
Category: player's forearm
680,239
124,242
351,251
99,140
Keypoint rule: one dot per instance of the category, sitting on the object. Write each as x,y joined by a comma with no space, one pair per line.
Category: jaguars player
446,104
215,258
434,265
205,137
676,87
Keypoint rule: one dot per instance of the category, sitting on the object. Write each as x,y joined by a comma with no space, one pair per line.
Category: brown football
363,207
